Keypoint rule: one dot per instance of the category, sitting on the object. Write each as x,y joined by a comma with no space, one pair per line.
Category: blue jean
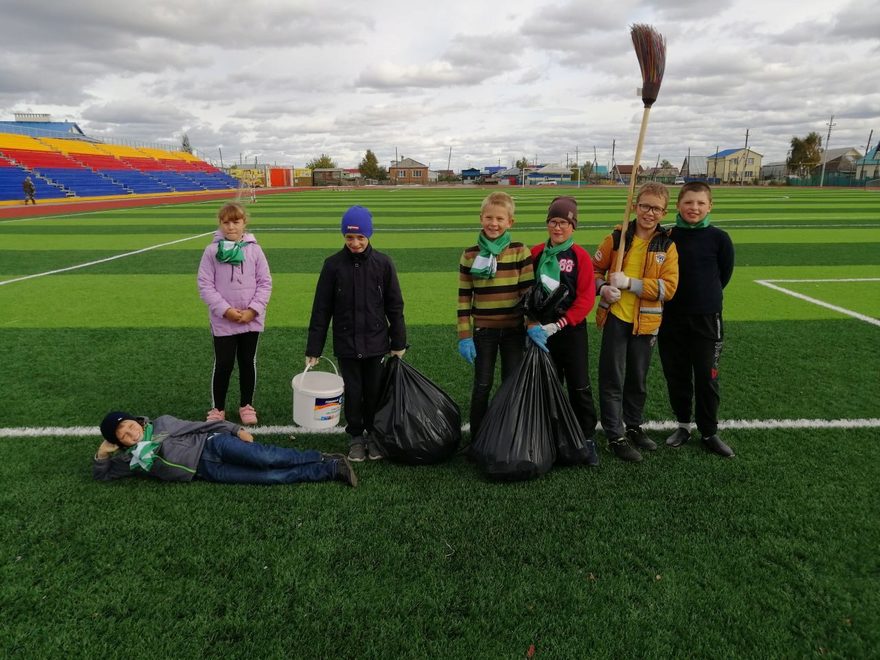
229,460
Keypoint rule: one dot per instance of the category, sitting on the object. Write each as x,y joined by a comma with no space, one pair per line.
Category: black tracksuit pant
690,349
568,348
228,349
362,379
489,342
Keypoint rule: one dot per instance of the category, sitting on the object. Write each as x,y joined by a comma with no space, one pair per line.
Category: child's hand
232,314
610,294
550,328
539,337
311,362
399,353
467,350
105,449
247,316
245,436
619,280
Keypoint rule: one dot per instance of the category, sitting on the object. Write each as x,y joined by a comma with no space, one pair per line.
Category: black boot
714,443
640,439
620,448
678,437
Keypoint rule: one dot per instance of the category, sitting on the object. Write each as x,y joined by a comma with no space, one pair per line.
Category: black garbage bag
515,439
571,448
544,307
529,425
415,422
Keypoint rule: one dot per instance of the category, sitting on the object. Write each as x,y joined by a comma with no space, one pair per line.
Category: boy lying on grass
172,449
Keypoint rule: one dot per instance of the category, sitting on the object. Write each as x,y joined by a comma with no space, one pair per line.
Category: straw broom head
651,52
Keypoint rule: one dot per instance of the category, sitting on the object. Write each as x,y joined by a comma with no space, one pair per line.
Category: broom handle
632,189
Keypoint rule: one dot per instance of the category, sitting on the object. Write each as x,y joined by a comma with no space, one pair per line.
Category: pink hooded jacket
244,286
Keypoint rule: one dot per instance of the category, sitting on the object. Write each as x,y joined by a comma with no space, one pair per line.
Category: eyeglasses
562,224
647,208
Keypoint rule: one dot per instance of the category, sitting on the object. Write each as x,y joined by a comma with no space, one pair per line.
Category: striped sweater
495,302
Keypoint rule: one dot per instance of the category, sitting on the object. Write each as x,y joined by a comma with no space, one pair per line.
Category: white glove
399,353
610,294
619,280
551,329
311,362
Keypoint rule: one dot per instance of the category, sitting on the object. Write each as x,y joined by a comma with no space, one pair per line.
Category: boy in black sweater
692,334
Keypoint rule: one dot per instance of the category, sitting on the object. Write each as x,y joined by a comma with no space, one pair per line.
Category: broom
651,52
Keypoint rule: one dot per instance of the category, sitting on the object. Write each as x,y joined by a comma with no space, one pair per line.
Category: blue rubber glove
538,335
467,350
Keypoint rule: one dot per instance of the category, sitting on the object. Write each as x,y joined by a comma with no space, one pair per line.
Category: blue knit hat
111,422
357,220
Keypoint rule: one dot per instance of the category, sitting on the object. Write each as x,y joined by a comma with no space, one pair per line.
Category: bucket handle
332,364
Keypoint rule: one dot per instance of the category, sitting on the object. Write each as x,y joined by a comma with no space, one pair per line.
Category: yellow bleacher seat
15,141
124,151
74,146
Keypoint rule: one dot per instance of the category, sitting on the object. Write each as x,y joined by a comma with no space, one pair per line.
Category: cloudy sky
287,80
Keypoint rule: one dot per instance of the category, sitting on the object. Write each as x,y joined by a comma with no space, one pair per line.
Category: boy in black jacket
359,291
692,334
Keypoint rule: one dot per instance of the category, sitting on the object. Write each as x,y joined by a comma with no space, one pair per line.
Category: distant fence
832,180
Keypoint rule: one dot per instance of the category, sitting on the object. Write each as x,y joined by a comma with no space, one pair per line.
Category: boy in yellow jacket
629,314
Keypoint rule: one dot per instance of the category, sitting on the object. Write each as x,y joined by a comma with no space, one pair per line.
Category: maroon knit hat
565,208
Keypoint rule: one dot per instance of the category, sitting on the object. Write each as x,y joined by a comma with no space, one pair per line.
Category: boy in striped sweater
492,277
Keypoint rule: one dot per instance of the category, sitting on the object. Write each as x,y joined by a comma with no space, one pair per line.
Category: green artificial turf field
772,553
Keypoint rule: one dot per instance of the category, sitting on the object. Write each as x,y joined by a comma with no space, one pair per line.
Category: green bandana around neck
702,224
547,272
230,252
486,262
144,452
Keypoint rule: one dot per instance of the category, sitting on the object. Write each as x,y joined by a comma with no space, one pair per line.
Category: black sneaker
357,453
373,451
640,439
620,448
714,443
592,454
345,472
678,437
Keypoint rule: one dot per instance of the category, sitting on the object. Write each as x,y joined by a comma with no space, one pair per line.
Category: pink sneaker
248,415
215,415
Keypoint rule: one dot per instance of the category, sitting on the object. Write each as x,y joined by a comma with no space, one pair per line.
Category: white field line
101,261
731,424
821,303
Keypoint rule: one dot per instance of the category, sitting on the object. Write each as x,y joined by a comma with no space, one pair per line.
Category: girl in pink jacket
235,283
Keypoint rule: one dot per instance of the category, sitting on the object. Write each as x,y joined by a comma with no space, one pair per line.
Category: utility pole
577,163
449,161
689,164
714,167
831,124
742,172
220,149
613,164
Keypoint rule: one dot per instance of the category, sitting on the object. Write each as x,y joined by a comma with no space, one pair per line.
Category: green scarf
144,453
230,252
547,272
702,224
486,262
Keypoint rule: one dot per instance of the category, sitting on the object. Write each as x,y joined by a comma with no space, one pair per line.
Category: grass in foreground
768,554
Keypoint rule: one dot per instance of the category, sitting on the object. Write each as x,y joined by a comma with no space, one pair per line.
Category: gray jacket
177,457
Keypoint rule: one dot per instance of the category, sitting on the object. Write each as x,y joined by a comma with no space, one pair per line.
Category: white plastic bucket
317,398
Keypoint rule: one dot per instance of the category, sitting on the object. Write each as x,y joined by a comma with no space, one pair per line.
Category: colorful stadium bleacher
61,167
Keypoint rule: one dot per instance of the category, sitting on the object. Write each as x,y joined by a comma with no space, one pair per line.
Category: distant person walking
29,190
